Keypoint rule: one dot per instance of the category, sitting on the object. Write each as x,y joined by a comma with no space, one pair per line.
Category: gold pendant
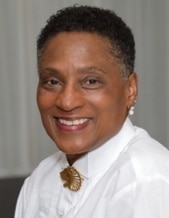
72,178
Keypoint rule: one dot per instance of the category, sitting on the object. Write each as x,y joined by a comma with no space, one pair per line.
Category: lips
72,124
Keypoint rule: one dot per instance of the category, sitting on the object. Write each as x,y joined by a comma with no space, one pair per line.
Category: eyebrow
82,70
48,70
91,69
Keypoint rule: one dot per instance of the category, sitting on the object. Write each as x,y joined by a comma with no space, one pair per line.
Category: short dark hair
90,19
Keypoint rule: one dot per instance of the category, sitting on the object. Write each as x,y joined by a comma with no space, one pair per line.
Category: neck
71,158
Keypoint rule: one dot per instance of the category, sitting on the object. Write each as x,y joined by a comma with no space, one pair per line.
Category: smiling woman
87,86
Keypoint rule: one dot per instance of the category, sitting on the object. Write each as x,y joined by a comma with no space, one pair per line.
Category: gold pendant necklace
72,178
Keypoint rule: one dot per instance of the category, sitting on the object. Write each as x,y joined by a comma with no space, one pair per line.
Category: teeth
73,122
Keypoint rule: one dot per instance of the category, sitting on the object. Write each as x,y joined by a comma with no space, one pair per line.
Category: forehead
78,40
73,53
77,46
79,50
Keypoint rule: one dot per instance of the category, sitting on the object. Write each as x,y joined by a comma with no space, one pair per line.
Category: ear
132,89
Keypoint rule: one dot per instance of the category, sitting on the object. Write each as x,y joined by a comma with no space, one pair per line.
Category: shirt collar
99,160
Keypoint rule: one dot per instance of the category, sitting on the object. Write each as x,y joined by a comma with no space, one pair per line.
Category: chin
72,151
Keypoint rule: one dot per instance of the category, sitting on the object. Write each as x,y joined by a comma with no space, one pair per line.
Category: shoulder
148,156
42,180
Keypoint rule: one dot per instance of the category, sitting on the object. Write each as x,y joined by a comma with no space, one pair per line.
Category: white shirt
127,177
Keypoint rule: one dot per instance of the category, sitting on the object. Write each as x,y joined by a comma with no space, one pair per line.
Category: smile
75,122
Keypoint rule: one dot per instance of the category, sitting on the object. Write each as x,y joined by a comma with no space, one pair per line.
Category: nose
70,98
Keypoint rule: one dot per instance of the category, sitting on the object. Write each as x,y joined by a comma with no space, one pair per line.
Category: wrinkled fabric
127,177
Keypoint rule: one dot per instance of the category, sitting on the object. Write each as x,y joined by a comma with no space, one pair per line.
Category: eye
92,83
52,82
49,83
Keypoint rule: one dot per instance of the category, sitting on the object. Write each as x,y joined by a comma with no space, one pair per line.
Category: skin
82,96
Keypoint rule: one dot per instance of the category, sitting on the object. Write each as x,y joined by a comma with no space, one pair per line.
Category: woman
105,166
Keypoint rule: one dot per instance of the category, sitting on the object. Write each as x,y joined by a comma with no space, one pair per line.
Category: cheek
103,106
104,101
44,100
110,105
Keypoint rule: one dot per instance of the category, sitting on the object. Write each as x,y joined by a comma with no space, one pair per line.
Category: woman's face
82,96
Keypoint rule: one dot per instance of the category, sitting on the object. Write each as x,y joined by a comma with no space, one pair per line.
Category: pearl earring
132,108
131,111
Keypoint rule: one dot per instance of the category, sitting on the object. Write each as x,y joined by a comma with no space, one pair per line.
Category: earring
131,111
132,108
